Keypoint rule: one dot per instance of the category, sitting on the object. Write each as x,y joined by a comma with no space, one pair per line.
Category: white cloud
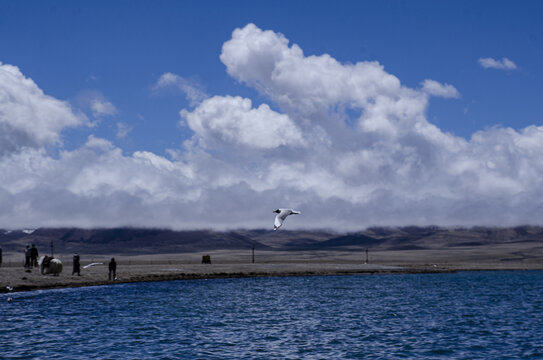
102,107
348,144
233,120
28,117
96,102
434,88
123,129
192,90
264,60
503,64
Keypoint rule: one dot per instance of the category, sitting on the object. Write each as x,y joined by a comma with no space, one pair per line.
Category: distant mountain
339,242
154,241
126,241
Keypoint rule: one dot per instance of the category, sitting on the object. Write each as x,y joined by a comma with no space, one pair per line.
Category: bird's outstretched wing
278,221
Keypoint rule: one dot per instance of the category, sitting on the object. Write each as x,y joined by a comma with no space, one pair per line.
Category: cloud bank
347,144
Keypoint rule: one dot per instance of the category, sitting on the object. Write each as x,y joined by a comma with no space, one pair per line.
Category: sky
211,114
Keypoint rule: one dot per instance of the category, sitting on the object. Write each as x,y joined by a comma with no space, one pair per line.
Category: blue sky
117,52
121,48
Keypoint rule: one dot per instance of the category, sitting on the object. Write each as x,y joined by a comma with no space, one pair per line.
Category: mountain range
131,241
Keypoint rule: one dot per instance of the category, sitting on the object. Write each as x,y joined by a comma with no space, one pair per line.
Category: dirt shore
163,267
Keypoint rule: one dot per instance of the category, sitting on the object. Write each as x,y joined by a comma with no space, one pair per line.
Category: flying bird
281,216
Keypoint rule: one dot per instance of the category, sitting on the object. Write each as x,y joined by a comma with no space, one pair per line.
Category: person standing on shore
76,267
33,256
112,269
27,257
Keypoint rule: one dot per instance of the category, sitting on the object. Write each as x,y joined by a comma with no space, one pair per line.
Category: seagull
92,264
281,216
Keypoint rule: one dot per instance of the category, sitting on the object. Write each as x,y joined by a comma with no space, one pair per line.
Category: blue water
472,315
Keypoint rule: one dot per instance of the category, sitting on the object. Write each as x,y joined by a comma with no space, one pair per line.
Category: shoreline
22,281
239,264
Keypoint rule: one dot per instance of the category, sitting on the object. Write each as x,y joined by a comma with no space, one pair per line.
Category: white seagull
281,216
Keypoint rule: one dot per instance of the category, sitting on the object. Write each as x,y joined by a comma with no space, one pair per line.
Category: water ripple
463,316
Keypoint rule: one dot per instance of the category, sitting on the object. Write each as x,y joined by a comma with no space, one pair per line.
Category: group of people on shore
31,256
31,260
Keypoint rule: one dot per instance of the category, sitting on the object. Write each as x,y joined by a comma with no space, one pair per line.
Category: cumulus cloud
348,144
434,88
192,90
503,64
233,120
264,60
28,117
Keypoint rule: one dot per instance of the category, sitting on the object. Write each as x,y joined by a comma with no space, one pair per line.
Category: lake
466,315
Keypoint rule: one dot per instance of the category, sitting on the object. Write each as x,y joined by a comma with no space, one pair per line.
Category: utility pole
367,258
253,254
52,255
